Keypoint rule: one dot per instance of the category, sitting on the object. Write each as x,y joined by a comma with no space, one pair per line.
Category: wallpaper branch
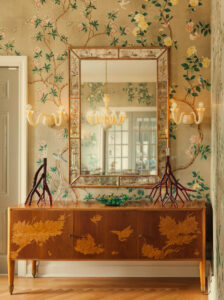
45,29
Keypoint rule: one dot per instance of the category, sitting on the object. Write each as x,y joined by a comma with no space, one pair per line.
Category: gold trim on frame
73,51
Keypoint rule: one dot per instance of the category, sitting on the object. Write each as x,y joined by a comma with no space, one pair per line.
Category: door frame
21,63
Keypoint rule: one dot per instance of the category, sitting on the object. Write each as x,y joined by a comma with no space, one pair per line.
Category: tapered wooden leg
34,268
11,269
202,275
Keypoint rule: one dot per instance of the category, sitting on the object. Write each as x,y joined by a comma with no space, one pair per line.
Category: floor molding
116,269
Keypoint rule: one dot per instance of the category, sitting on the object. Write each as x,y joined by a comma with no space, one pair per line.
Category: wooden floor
103,288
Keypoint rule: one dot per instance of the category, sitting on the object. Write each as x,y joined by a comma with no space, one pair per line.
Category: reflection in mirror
119,117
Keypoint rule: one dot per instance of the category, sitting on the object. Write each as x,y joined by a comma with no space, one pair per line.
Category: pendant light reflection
106,118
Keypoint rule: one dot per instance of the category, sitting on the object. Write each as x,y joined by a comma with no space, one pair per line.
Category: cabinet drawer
122,236
89,234
40,234
170,234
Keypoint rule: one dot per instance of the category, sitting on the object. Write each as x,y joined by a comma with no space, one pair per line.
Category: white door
9,158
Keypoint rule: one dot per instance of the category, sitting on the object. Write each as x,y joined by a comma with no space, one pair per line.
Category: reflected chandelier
107,118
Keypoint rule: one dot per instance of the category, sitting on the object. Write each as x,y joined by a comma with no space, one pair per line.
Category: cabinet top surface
93,205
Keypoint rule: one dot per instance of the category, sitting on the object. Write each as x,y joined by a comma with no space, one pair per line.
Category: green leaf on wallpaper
38,54
49,25
63,38
65,194
114,42
84,27
204,150
73,4
199,186
49,56
65,133
43,97
172,129
58,2
124,43
53,191
39,161
53,169
122,30
112,15
53,33
108,29
9,46
17,53
95,24
185,66
39,36
54,92
58,78
47,67
38,21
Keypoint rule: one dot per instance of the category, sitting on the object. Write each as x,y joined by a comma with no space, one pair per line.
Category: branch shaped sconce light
188,119
50,120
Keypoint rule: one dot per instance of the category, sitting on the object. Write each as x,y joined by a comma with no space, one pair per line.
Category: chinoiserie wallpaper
44,29
217,145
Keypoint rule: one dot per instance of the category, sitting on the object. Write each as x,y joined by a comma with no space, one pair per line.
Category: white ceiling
119,70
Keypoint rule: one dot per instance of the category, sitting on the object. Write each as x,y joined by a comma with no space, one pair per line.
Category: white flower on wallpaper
141,23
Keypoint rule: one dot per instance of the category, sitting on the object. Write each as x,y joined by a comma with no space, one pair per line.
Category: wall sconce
188,119
50,120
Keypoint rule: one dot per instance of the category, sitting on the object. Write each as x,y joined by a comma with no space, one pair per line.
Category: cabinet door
170,234
121,237
89,234
40,234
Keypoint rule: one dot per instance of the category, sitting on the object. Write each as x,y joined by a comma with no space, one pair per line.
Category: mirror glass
118,117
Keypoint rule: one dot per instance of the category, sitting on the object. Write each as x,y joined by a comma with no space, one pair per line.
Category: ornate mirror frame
161,55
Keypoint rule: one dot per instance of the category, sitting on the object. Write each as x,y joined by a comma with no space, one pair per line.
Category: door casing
21,63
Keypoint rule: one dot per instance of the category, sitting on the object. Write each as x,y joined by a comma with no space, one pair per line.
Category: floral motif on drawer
177,236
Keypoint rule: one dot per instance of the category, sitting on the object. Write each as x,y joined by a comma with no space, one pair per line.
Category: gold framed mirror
118,115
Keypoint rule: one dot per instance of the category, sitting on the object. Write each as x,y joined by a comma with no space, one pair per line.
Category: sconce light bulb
174,105
200,104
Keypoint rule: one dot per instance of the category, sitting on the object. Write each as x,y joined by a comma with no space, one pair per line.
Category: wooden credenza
90,231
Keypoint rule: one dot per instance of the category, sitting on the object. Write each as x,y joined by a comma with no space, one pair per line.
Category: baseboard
116,269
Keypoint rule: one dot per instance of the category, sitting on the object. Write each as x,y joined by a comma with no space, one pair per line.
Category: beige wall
217,146
43,30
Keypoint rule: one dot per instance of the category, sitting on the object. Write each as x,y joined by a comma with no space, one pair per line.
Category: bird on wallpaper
123,3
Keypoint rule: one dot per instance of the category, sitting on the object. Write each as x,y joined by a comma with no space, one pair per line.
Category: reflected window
131,148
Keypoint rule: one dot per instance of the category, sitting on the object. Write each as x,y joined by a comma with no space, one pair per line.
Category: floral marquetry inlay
177,235
95,219
24,233
124,234
87,245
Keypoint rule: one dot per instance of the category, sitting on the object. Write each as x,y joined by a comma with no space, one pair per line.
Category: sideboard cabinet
95,232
